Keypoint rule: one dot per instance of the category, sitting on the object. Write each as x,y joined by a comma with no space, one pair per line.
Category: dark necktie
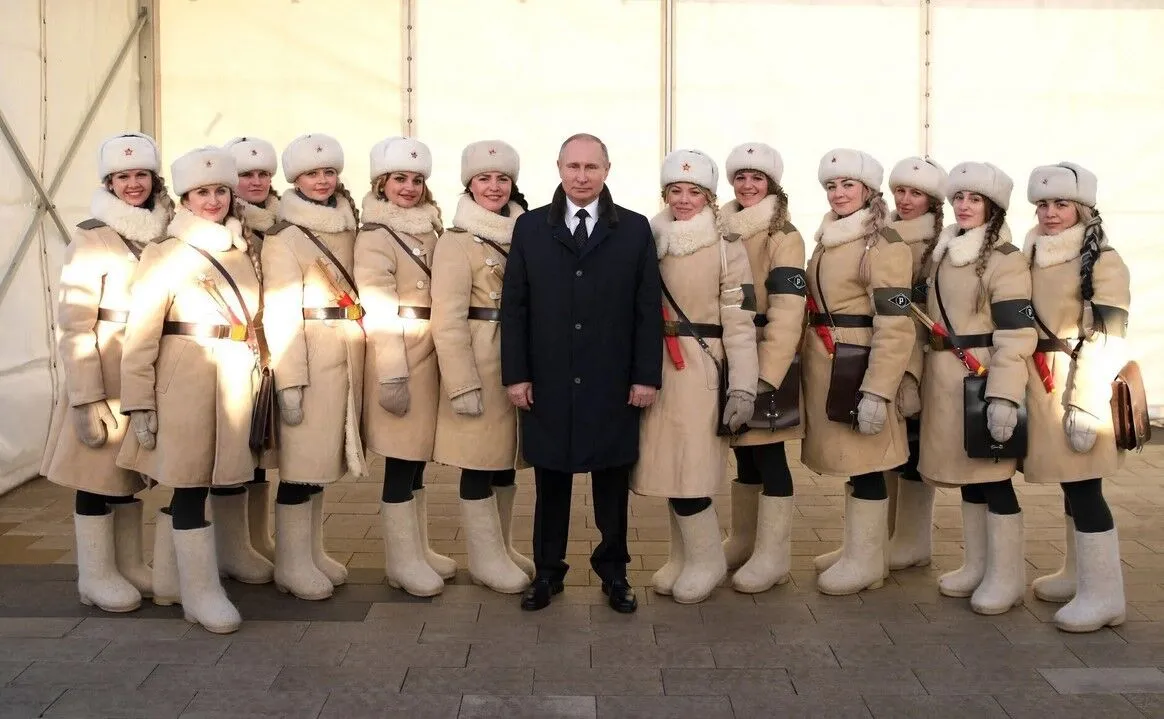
580,231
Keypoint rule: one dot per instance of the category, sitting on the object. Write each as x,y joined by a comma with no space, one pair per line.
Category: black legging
1083,501
999,497
913,434
259,477
402,477
479,483
294,493
765,464
687,506
188,507
869,486
91,504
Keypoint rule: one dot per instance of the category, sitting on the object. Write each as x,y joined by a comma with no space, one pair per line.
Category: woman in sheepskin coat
189,375
1080,292
476,423
394,259
919,193
858,279
759,544
680,455
980,284
312,319
129,212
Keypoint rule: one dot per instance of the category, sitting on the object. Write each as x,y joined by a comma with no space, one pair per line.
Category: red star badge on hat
751,150
916,168
492,151
319,148
413,153
128,151
686,167
254,153
834,160
210,163
1044,180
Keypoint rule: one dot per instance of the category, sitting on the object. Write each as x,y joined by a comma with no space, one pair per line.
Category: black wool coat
582,326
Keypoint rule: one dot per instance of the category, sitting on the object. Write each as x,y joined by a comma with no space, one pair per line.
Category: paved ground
901,651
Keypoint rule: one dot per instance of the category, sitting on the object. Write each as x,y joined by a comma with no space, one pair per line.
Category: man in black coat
582,334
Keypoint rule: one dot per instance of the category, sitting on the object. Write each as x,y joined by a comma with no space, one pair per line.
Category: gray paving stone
86,674
943,633
557,613
663,613
123,629
373,631
407,655
477,633
1137,632
118,703
854,630
756,614
9,670
711,682
343,704
253,703
195,677
1150,705
444,613
983,680
878,680
849,706
378,678
1045,632
597,633
1016,655
558,681
671,634
914,707
767,654
316,653
37,627
881,611
1095,680
617,707
1121,655
633,655
15,649
538,707
502,654
207,650
897,655
21,702
486,680
1040,705
265,630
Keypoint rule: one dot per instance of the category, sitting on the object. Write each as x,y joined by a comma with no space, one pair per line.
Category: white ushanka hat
400,154
252,153
128,151
983,178
489,156
852,164
755,156
1065,181
203,166
690,166
312,152
921,174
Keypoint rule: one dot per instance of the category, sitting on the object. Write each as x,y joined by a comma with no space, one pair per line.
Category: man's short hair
585,136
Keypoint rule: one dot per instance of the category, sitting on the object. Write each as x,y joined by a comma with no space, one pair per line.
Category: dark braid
343,191
994,225
1094,239
515,197
936,207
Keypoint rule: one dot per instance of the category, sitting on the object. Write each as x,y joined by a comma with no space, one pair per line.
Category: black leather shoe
622,597
537,594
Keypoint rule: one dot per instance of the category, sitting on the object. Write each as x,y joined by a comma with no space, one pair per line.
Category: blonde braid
254,245
780,211
993,226
162,197
936,207
878,214
340,189
427,198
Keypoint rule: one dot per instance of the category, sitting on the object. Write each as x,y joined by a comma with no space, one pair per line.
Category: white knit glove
144,423
1081,428
92,422
394,397
739,409
871,413
291,405
1001,418
908,397
468,403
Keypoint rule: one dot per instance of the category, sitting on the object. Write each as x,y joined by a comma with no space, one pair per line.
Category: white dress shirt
572,219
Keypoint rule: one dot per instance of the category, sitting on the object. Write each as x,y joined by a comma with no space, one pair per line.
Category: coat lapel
600,233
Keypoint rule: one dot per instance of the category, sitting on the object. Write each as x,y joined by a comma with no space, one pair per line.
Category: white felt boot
165,572
404,563
127,544
259,519
1099,598
772,559
505,498
912,542
704,564
237,559
489,562
862,564
336,573
663,580
1005,580
203,599
822,562
893,480
1060,586
741,540
444,566
965,579
295,569
98,581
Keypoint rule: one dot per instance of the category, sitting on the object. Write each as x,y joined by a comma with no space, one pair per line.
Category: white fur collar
410,220
919,229
836,231
683,237
747,221
260,218
1054,249
319,218
136,224
481,222
204,234
964,248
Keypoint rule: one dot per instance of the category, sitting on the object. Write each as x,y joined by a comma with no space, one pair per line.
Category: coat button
478,240
489,261
577,325
577,273
494,295
418,251
420,284
577,380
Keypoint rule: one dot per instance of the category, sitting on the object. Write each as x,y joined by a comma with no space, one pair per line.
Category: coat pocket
168,360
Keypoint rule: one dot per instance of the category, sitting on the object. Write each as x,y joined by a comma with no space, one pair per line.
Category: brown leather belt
486,314
760,320
351,312
943,344
679,329
820,319
414,313
1045,345
236,333
107,315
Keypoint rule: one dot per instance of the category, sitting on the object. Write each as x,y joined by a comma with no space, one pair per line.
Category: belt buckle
353,312
238,333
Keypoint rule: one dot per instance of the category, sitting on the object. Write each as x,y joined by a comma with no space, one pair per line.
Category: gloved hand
92,422
1001,418
739,409
1081,429
468,403
871,413
291,405
144,423
394,396
908,397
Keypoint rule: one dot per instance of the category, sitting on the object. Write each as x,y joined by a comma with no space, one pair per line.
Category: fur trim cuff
481,222
1054,249
206,235
133,223
260,218
318,218
964,248
410,220
747,221
836,231
919,229
683,237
